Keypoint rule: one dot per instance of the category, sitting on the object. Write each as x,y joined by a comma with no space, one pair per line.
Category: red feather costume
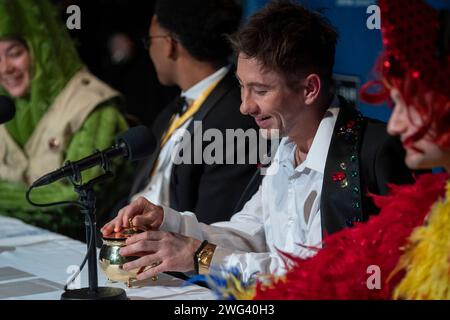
342,269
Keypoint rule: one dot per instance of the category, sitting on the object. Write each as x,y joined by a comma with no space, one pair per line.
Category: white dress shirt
284,214
158,189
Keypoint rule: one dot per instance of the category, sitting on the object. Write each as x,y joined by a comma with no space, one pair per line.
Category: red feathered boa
340,269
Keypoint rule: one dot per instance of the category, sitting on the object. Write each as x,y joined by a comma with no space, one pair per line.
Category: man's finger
144,246
143,221
141,262
147,235
117,222
107,229
151,272
137,207
127,213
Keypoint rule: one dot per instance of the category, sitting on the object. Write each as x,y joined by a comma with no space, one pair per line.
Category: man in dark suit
187,44
329,159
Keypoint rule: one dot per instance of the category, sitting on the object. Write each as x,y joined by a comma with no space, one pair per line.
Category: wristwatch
204,257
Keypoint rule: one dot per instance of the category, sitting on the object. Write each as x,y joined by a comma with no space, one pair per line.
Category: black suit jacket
210,191
362,159
370,159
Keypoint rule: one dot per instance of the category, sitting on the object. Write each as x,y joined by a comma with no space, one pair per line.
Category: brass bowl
110,260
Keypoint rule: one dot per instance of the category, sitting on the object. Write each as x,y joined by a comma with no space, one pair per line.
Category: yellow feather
427,258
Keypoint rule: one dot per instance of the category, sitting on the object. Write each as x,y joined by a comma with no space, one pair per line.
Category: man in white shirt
330,157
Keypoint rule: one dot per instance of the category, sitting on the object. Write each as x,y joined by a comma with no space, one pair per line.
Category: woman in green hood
62,112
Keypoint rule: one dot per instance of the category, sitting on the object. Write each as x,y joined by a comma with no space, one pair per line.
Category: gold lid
123,234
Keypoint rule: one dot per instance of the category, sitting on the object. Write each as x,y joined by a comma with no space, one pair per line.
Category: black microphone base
102,293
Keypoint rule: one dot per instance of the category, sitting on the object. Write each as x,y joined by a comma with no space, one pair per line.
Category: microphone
135,144
7,109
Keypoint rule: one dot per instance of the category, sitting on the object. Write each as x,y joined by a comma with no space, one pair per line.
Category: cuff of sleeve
171,220
220,257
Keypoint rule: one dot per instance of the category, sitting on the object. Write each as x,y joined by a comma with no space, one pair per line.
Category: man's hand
160,252
143,213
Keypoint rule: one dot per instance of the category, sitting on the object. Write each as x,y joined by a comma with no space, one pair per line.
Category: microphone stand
86,198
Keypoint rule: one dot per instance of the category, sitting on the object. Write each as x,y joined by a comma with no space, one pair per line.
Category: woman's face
15,62
405,122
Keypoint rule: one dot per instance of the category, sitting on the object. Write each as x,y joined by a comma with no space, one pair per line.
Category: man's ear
174,48
312,86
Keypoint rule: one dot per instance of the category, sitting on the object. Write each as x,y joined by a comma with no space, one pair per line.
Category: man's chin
270,134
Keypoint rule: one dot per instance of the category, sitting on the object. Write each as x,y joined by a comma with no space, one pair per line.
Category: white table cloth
36,263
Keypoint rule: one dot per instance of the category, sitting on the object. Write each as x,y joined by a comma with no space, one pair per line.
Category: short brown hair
287,38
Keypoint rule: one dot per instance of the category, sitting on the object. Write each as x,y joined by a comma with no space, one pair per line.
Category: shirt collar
196,90
317,155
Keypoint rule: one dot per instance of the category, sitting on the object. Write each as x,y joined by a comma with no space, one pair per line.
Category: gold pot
110,260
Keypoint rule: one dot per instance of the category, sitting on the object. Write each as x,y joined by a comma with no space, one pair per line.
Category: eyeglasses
147,40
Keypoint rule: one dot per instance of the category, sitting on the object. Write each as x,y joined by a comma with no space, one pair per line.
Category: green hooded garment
54,62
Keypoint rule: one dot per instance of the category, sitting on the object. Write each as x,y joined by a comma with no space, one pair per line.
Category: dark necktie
179,105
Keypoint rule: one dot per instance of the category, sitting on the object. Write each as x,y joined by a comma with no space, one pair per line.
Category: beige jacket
44,151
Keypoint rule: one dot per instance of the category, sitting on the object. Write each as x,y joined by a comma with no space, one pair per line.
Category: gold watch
204,258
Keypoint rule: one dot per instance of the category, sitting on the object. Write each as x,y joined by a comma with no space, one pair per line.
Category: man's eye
261,92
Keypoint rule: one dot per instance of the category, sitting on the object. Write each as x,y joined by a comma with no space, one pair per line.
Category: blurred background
109,42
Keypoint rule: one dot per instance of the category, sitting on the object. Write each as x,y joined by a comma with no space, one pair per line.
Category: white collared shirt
283,215
158,189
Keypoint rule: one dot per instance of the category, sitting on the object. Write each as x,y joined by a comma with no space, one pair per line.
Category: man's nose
248,105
